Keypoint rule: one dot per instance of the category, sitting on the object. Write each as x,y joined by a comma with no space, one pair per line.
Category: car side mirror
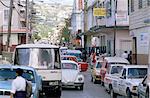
144,84
123,77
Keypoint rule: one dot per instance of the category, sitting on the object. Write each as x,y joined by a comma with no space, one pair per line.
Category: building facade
140,29
77,23
18,28
108,34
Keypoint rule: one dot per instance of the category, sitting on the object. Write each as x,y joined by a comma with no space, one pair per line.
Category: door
122,82
125,45
134,51
142,88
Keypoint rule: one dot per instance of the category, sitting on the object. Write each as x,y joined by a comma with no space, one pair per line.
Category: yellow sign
99,12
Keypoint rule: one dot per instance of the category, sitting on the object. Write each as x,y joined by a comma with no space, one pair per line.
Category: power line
4,4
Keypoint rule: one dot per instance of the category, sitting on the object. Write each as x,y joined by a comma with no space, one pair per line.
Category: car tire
81,87
129,95
112,94
91,79
147,94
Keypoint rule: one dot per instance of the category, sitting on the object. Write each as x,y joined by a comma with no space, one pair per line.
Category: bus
45,58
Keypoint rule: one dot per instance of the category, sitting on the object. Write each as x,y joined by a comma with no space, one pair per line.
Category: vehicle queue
46,67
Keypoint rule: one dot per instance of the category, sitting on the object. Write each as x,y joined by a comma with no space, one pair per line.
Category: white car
127,82
112,71
71,76
95,72
143,89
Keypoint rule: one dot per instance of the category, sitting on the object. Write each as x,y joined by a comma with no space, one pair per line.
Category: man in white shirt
18,86
125,55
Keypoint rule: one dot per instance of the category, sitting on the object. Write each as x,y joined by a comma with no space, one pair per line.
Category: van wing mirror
123,77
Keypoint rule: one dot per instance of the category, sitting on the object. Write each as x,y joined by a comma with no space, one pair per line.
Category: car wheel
112,94
129,95
91,79
81,87
102,83
147,94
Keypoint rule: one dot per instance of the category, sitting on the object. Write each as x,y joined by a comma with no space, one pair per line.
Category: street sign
99,11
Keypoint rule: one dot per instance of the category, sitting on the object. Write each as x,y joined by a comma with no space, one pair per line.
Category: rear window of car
69,66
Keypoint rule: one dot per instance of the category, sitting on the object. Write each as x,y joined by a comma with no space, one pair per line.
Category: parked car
71,76
95,72
76,53
83,65
112,71
126,83
107,62
143,89
8,74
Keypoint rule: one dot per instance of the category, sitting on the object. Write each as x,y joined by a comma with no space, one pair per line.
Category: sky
68,2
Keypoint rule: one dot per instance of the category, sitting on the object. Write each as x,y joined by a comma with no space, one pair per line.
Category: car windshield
8,74
137,72
98,65
116,69
69,66
38,57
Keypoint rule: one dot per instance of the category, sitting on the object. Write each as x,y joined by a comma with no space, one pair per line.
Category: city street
91,90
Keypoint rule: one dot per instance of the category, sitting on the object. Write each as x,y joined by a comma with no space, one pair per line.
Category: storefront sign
99,12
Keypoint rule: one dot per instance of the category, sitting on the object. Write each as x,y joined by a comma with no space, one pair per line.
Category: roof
136,66
16,66
68,61
37,46
117,60
74,51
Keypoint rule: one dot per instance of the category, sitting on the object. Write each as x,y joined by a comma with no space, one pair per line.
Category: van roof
37,46
117,60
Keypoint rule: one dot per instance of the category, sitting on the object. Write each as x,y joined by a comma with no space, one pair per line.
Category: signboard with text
99,12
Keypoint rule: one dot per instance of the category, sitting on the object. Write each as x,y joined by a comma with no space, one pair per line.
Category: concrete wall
140,30
142,45
13,39
139,15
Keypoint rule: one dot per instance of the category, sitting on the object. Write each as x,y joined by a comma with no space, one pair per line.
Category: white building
103,27
18,34
77,21
140,29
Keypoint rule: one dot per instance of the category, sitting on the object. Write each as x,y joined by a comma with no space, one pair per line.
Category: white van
46,59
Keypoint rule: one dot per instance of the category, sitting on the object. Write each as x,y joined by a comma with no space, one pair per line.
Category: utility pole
85,19
9,25
115,25
27,21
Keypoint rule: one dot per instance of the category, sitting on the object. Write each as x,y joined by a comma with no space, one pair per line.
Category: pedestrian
18,89
125,55
130,57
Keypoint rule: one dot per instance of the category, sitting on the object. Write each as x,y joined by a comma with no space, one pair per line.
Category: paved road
90,90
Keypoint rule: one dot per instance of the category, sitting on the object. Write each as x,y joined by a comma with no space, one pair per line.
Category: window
124,73
148,2
6,15
108,9
132,5
140,4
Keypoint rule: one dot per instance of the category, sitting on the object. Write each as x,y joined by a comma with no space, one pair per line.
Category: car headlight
134,87
53,83
80,79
